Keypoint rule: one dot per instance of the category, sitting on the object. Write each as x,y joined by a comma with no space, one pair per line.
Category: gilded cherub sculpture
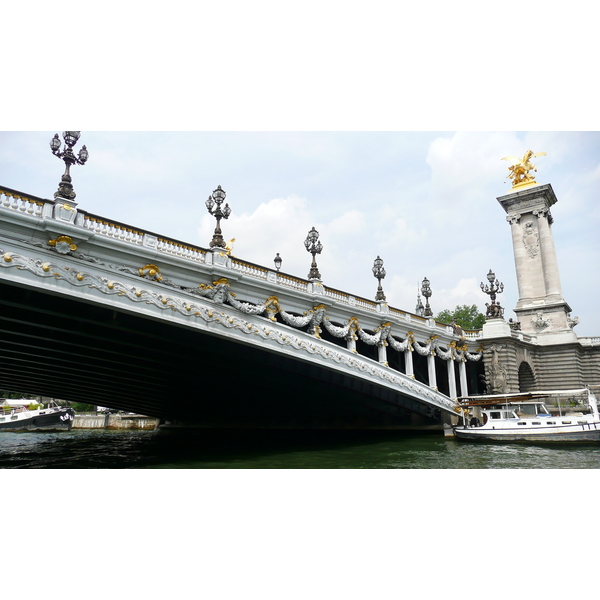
519,172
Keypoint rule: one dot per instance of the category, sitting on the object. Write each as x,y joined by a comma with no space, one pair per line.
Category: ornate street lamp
217,197
426,291
494,310
65,188
277,260
313,246
379,273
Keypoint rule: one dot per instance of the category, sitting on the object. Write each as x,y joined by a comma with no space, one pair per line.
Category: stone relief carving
531,240
496,376
540,323
571,322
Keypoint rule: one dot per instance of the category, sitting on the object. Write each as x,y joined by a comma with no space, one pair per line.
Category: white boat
524,417
18,415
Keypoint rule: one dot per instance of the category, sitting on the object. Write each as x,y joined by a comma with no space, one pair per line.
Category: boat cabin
502,412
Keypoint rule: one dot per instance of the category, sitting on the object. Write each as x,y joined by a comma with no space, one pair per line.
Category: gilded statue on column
521,167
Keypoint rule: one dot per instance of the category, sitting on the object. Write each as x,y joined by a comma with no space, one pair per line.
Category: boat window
550,422
527,409
2,418
495,415
522,423
536,422
582,422
566,422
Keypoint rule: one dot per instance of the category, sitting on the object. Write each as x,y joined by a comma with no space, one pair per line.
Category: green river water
104,449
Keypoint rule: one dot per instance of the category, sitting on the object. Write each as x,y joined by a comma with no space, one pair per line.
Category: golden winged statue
229,247
519,172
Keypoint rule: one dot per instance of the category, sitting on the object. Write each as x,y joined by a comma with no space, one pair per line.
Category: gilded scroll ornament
150,272
63,244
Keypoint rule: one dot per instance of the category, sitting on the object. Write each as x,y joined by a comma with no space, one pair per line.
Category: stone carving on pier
496,376
540,322
521,169
572,321
531,240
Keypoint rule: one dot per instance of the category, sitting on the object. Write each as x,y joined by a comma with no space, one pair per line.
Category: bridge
97,311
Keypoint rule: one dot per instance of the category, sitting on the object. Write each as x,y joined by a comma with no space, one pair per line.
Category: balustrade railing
298,284
366,304
249,269
473,334
181,250
32,205
337,295
115,230
13,200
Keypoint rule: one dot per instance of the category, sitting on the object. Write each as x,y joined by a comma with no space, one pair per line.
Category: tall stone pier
541,308
540,351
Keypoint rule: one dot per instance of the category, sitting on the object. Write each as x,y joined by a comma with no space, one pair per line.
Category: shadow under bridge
217,371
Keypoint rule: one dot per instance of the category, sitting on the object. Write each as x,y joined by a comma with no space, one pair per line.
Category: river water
104,449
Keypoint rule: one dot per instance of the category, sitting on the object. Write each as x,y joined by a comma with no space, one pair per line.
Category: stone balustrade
13,200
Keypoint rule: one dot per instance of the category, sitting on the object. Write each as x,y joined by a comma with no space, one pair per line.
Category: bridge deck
119,320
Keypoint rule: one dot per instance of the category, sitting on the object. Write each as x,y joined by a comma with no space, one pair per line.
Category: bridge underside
57,347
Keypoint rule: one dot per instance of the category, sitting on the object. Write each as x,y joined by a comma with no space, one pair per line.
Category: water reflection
84,449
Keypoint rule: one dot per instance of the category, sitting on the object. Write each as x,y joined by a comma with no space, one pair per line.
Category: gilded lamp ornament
65,188
521,167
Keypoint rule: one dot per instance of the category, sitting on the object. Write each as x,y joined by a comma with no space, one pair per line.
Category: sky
381,125
425,202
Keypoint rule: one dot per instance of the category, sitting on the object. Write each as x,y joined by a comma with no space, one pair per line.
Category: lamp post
379,273
65,187
426,291
313,246
217,198
277,260
494,310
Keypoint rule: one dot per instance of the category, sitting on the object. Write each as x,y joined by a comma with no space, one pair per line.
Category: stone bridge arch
526,377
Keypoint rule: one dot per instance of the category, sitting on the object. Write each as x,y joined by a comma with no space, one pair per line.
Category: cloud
279,225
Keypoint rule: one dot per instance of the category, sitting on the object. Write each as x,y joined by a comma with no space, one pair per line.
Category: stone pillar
551,274
431,370
408,362
462,370
451,378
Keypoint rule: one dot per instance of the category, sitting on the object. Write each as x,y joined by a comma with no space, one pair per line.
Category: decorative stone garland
219,293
